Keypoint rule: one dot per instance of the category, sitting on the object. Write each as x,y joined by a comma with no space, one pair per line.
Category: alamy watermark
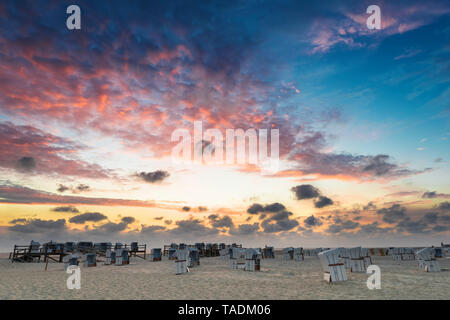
74,280
210,147
374,280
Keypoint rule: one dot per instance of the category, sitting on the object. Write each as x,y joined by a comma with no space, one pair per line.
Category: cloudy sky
86,118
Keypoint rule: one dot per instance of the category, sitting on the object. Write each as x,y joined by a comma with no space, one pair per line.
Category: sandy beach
278,279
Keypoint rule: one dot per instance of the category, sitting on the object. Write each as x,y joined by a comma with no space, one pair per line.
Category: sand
278,279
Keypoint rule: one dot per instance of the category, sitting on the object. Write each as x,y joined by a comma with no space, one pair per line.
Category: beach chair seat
357,260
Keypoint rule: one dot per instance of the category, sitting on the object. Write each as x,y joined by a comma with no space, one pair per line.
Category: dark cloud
26,163
39,226
70,209
193,228
82,188
429,195
186,208
379,165
153,177
78,189
415,227
152,229
202,209
245,229
312,221
158,218
110,227
128,220
168,222
373,228
20,220
88,217
431,217
393,214
220,222
323,202
342,225
278,222
305,191
62,188
370,206
255,208
444,206
274,207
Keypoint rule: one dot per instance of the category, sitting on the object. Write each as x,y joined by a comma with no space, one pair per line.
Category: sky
87,118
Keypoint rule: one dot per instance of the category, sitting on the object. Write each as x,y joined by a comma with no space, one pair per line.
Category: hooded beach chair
268,253
356,260
288,253
237,258
172,253
71,260
333,269
395,253
427,261
90,260
366,257
110,257
224,253
194,257
252,260
181,264
344,257
122,257
298,254
155,254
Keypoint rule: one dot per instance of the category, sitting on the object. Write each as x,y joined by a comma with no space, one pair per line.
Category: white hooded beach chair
366,257
427,261
181,264
356,260
408,254
252,260
122,257
237,258
344,257
333,270
395,253
224,253
110,257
